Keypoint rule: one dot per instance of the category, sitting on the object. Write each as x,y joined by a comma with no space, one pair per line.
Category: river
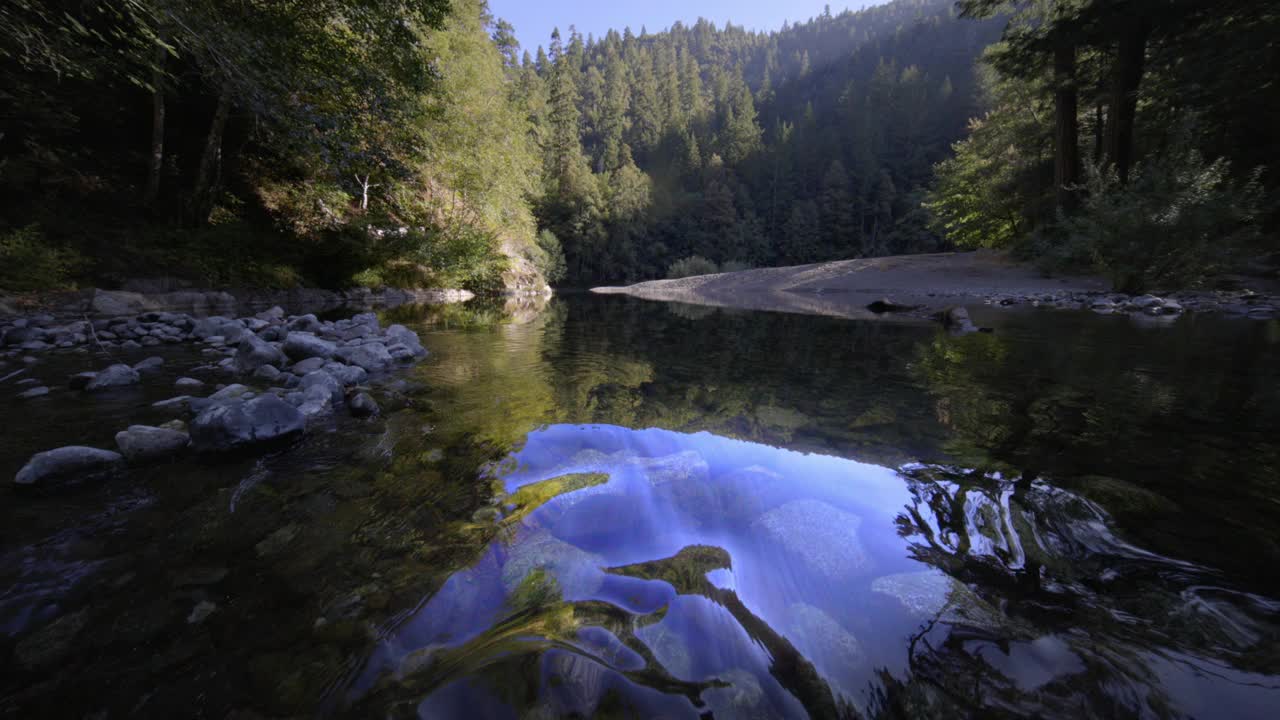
610,507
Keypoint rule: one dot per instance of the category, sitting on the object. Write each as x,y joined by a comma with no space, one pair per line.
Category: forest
416,144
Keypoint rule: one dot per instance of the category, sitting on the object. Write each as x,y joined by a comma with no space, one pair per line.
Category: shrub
29,263
1176,222
549,258
691,266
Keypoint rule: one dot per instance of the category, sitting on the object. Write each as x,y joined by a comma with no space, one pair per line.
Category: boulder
34,392
187,383
301,345
408,338
311,364
347,374
152,363
267,372
231,393
957,320
255,352
115,376
241,424
326,382
304,323
142,443
370,356
362,405
68,461
275,314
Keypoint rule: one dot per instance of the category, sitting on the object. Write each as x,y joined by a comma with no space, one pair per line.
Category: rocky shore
311,369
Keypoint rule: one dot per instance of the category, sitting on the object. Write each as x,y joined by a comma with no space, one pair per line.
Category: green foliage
28,262
550,257
691,266
1175,223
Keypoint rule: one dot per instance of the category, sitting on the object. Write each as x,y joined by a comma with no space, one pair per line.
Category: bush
691,266
549,258
1176,222
29,263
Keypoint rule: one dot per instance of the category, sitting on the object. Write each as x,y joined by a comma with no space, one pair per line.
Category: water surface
618,508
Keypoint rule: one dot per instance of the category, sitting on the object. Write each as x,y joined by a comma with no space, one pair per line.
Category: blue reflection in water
711,573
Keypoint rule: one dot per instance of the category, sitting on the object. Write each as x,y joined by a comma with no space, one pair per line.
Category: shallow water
619,508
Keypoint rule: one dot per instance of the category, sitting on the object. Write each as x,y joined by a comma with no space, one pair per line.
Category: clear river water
608,507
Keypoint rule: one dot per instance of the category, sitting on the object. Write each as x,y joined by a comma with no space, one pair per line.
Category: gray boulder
362,405
34,392
67,461
347,374
187,383
241,424
311,364
115,376
370,356
267,372
304,323
231,393
150,364
325,382
404,336
142,443
300,346
275,314
255,352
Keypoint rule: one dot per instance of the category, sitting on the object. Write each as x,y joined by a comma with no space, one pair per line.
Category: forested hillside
242,142
740,149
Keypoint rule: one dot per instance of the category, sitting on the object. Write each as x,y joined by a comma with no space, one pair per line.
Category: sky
535,19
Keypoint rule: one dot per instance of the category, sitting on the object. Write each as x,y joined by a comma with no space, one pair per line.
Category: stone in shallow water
238,424
577,571
743,698
114,376
822,535
934,594
812,629
187,383
300,346
363,405
34,392
141,443
67,461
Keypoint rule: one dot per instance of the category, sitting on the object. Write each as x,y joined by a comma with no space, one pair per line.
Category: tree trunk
156,166
1066,134
1098,134
1130,60
208,176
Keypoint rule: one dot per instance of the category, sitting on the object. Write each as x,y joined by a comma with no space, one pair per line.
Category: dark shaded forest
349,142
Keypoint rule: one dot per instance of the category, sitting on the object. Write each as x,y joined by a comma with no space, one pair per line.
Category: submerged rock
67,461
255,352
187,383
239,424
143,443
35,392
300,346
150,364
362,405
370,356
823,536
115,376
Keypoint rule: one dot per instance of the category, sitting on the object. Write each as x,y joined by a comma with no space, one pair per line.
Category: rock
300,346
150,364
347,374
201,612
370,356
176,425
117,302
401,353
274,315
311,364
304,323
51,644
34,392
142,443
362,405
230,393
408,338
240,424
130,345
181,404
957,320
267,372
1143,302
115,376
820,535
885,305
326,382
187,383
255,352
67,461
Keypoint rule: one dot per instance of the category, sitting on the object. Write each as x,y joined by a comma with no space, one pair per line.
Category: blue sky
534,19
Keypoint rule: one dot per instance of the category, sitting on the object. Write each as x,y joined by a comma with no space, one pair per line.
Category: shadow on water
605,507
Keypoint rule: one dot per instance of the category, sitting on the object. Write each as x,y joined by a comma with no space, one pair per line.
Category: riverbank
920,285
